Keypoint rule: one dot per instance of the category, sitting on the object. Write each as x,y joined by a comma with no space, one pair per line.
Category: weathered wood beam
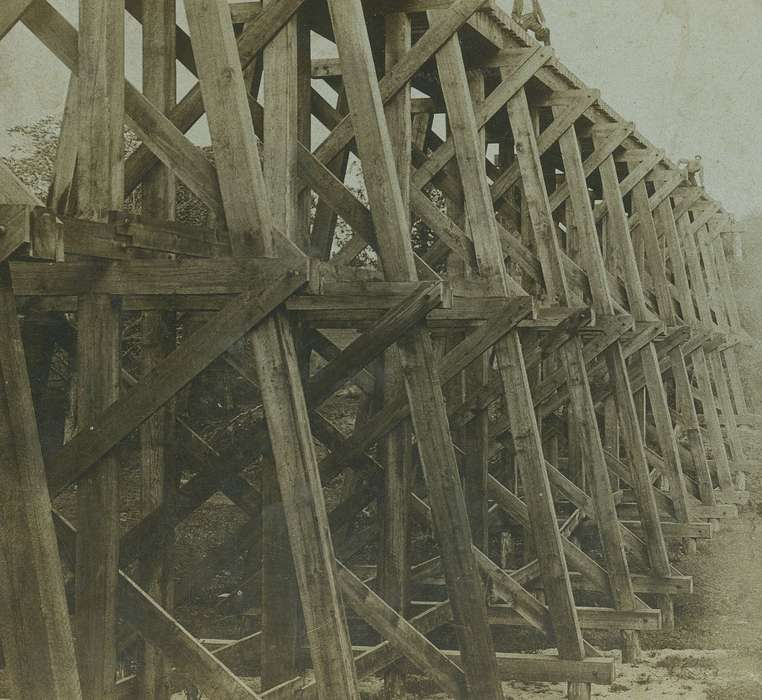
612,536
631,435
221,276
397,450
286,123
425,396
247,208
36,632
158,328
481,214
100,189
447,23
30,231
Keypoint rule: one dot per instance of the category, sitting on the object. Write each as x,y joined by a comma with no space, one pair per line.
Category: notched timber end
30,232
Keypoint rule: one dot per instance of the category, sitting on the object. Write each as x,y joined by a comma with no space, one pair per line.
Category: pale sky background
687,72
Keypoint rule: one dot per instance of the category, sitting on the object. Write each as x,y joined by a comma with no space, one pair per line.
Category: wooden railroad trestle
576,296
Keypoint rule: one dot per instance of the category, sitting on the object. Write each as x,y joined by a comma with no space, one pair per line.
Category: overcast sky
687,72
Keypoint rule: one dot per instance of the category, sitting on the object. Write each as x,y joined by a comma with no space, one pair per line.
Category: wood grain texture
36,632
250,221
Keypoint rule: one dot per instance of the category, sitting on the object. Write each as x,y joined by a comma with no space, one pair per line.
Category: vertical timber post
34,620
424,391
592,261
100,189
157,434
397,452
632,433
249,219
285,113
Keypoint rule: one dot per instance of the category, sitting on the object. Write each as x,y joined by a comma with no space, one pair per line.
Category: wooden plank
589,618
642,583
191,108
510,83
228,276
633,440
611,142
722,375
564,119
160,629
416,353
150,124
36,632
246,202
584,411
397,450
546,243
529,668
100,189
346,364
481,216
701,366
694,530
286,123
324,224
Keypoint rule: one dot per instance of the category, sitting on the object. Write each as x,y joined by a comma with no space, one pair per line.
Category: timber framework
552,366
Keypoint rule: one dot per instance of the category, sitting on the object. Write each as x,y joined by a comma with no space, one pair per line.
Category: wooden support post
100,189
476,433
286,124
422,383
583,408
34,620
397,446
39,648
559,596
656,393
247,208
157,434
481,216
632,436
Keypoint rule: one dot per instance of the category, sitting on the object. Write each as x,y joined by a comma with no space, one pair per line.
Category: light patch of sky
687,72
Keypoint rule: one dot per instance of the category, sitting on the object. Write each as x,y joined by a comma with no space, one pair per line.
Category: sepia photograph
380,350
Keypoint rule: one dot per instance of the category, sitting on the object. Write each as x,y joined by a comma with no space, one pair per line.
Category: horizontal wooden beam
641,583
541,668
646,620
228,276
